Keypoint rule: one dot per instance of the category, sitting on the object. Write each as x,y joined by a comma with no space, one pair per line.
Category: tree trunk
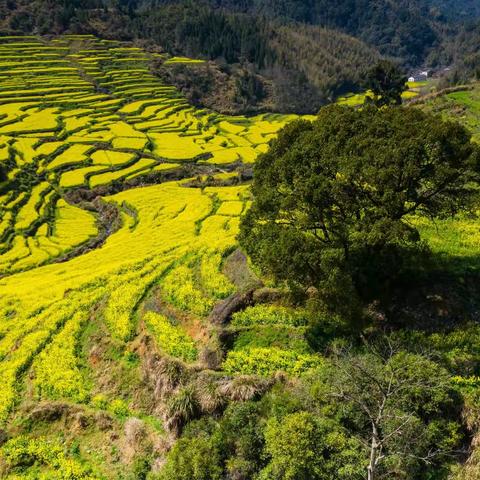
370,473
373,454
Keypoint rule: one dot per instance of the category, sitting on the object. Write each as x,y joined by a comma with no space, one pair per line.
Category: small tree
387,83
332,198
303,446
400,406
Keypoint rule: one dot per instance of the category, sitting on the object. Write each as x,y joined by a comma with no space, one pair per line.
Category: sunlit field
90,226
414,89
119,213
463,106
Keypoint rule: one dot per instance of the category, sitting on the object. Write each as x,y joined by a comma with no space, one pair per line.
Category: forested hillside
338,41
231,37
407,30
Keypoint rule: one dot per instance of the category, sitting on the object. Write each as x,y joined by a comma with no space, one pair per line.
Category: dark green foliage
232,447
194,29
462,51
192,459
320,63
410,31
402,29
208,450
387,83
317,62
243,440
334,196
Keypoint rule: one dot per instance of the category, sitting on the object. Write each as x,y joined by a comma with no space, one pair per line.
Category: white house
419,77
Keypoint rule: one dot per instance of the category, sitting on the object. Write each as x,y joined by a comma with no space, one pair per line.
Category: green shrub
192,459
278,336
230,447
302,446
21,452
270,315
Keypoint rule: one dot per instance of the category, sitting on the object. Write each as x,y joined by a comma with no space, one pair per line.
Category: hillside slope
108,270
135,342
261,34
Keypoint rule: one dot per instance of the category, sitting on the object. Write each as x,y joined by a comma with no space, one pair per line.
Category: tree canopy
387,83
402,405
333,198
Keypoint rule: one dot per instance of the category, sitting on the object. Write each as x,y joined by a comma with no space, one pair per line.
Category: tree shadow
440,299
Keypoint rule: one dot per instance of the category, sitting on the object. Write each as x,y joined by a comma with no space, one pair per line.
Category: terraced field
99,252
78,112
462,105
414,89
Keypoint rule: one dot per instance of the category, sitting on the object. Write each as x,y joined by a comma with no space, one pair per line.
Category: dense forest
408,31
317,47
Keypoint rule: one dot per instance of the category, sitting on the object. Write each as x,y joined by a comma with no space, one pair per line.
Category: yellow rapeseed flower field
92,220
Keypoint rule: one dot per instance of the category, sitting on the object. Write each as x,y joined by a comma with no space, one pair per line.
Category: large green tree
333,198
